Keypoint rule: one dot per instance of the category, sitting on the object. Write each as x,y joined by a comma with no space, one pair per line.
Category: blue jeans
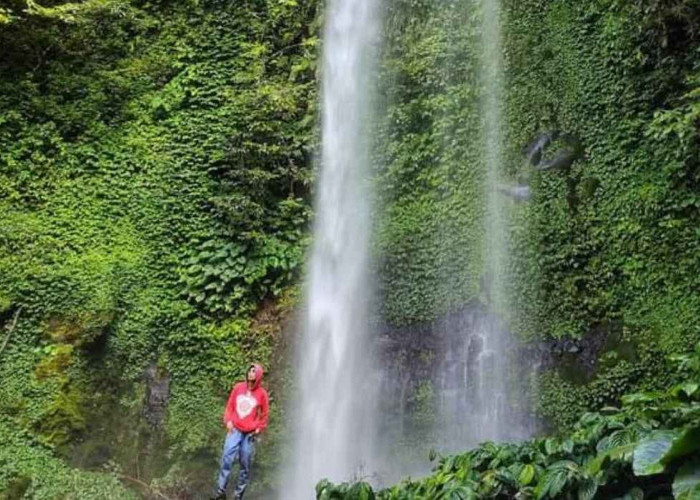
241,445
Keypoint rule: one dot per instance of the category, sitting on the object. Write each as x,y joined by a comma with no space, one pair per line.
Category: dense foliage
605,251
430,170
610,239
613,238
648,448
154,186
154,203
608,247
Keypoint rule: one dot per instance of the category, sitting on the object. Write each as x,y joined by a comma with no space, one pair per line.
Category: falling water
497,414
493,361
333,433
477,379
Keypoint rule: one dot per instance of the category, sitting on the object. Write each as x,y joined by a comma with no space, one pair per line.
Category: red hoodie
248,408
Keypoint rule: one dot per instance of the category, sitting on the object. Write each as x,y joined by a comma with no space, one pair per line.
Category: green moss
63,418
16,488
25,465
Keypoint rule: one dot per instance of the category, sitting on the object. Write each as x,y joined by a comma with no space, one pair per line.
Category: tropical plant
647,448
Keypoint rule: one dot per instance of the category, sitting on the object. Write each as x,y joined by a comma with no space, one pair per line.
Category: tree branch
145,485
11,328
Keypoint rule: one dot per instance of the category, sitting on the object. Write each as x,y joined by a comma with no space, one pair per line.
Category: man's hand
229,426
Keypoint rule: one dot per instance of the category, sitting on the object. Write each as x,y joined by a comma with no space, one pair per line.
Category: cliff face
600,112
154,185
155,179
609,245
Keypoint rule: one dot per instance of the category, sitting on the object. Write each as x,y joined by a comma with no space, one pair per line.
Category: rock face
440,380
155,405
578,355
437,378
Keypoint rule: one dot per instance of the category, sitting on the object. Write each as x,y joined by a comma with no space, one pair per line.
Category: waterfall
493,361
334,409
495,411
478,386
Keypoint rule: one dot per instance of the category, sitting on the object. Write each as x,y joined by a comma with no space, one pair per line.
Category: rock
157,396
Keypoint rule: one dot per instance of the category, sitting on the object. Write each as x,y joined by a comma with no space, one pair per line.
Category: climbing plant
154,194
607,243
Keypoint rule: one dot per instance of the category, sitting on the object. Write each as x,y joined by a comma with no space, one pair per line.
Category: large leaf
552,483
527,474
621,437
660,448
685,444
587,489
687,388
686,484
550,446
649,453
643,397
623,453
568,446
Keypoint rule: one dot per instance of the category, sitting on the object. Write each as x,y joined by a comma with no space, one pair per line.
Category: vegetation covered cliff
604,253
604,269
154,185
155,188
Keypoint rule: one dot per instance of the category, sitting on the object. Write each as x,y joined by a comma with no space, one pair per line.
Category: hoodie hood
258,375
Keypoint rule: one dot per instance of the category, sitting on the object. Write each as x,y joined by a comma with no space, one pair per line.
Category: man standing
245,417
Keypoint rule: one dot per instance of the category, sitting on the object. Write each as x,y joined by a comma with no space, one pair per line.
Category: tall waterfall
493,362
478,377
335,405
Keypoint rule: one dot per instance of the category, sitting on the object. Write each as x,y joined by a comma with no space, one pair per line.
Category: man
245,418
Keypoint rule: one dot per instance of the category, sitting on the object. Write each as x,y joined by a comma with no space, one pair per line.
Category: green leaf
565,465
688,389
649,453
598,463
550,446
551,484
587,489
557,483
623,453
568,446
683,445
526,475
686,484
645,397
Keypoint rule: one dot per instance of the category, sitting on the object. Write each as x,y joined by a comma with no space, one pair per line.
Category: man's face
251,374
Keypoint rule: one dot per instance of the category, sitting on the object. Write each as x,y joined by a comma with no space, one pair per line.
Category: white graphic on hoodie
245,404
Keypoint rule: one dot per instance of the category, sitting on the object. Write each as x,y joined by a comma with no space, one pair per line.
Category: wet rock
575,357
464,357
563,158
534,151
157,396
519,192
571,150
